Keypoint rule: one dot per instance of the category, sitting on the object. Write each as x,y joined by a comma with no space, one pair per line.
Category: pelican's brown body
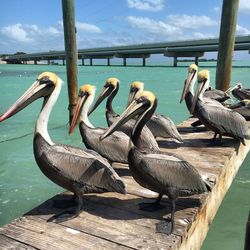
164,173
72,168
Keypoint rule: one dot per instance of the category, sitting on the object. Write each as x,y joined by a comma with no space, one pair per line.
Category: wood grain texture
114,221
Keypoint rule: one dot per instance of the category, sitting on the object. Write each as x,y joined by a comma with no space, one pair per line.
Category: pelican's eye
108,85
45,80
142,99
83,93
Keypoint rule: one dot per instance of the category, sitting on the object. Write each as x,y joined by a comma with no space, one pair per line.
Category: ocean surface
23,186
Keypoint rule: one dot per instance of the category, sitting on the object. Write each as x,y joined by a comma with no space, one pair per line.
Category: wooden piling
226,43
247,235
71,53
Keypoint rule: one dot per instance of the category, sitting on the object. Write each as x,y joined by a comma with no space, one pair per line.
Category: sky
36,25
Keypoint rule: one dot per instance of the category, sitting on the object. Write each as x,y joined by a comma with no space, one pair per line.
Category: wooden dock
113,221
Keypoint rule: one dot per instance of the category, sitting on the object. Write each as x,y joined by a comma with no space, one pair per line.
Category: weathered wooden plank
117,231
44,235
113,220
110,219
8,243
200,226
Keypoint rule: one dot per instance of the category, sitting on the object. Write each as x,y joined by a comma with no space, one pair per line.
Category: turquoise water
23,186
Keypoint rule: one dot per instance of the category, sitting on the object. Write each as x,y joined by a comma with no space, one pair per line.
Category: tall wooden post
247,234
226,43
71,53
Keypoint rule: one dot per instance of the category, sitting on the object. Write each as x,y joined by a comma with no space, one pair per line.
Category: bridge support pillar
176,54
83,62
175,61
63,61
91,61
108,61
35,62
196,60
143,61
124,61
48,62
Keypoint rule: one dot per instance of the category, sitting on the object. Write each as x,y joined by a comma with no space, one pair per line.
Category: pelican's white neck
206,86
43,118
192,83
84,113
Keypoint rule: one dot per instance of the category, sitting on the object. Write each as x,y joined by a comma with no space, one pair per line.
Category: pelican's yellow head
143,106
112,81
49,77
87,88
192,67
142,96
203,75
137,85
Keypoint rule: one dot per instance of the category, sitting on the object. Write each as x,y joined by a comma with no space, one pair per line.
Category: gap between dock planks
113,221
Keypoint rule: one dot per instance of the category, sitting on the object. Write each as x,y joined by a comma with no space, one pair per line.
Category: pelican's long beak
232,88
38,89
131,96
200,88
132,110
77,113
187,84
103,94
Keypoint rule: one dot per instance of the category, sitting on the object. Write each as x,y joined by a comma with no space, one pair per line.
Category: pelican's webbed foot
69,214
165,227
63,216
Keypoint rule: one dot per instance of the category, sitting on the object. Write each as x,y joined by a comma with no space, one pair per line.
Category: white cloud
152,26
53,30
244,6
191,22
148,5
175,27
16,32
86,27
200,35
242,31
33,38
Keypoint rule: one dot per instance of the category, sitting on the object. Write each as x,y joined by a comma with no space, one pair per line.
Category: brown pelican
74,169
221,120
160,125
188,89
164,173
110,90
243,108
188,92
114,148
239,92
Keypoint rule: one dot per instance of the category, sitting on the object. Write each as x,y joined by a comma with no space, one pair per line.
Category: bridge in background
191,48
